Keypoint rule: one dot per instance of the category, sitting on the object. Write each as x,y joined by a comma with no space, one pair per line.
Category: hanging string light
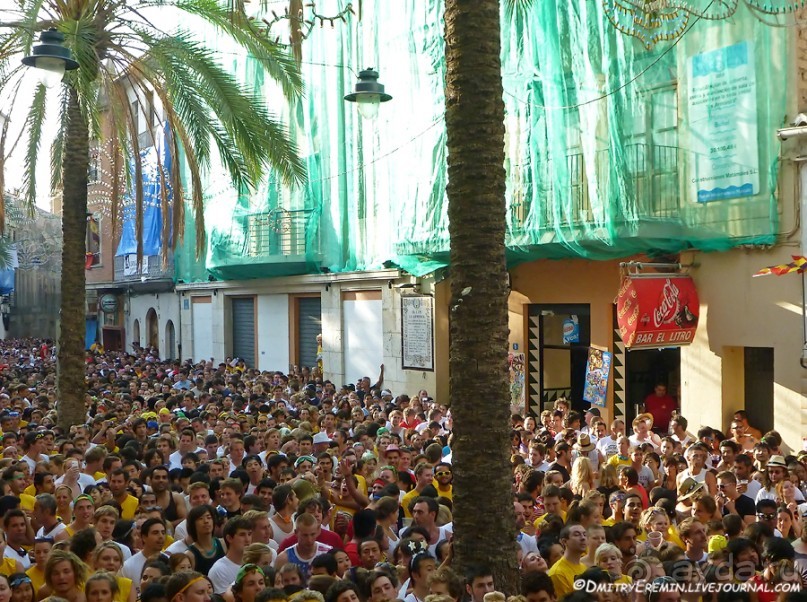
654,21
304,21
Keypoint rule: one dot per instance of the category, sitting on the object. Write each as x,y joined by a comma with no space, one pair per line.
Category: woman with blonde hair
64,499
582,477
259,554
101,587
108,557
609,481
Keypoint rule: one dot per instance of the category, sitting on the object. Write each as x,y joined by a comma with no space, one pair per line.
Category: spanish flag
798,265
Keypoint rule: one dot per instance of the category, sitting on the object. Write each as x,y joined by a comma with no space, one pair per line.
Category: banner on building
417,332
130,265
654,312
598,372
722,94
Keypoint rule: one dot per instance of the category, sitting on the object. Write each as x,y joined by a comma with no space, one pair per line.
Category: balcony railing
278,232
279,242
650,177
151,269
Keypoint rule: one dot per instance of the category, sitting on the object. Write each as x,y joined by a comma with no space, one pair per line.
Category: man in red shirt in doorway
661,406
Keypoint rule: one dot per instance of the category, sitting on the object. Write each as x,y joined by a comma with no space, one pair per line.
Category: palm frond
239,113
82,35
33,125
252,37
3,136
31,11
57,148
517,9
6,253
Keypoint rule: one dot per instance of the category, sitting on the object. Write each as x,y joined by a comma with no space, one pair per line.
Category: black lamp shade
51,47
368,86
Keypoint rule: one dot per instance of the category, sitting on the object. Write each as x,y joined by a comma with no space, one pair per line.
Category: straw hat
584,443
688,488
777,461
647,417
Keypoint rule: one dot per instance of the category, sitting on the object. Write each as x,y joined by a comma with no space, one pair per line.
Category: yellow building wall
568,281
739,311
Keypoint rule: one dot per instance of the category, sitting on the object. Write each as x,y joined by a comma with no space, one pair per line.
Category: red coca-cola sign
657,311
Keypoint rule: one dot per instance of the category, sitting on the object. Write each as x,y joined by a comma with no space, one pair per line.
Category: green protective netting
606,154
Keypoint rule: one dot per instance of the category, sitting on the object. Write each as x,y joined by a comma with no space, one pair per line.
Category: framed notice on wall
417,332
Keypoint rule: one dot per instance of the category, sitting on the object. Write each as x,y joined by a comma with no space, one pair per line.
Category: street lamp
51,57
368,94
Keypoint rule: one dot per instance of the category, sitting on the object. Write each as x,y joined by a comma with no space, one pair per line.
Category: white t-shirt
32,463
770,494
222,574
527,543
175,459
607,446
133,568
181,530
53,532
84,481
23,558
178,547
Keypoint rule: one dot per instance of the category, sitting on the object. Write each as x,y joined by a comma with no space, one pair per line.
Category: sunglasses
442,473
763,516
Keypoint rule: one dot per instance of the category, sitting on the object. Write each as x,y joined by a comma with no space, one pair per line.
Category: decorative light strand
306,24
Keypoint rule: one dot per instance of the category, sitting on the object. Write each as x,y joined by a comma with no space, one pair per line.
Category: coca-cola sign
657,312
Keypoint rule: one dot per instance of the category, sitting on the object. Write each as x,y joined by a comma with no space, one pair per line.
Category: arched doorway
170,341
136,333
152,329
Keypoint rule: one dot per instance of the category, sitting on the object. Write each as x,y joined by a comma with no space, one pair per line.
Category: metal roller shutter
309,326
244,329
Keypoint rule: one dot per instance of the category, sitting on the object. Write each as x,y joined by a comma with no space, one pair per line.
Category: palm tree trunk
75,165
484,522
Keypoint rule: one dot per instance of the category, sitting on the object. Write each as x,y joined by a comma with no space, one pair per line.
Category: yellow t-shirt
129,507
446,493
8,566
27,502
30,490
616,461
37,576
673,537
562,574
124,589
362,486
408,499
608,522
541,518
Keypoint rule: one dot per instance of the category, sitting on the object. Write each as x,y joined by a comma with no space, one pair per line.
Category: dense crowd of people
193,482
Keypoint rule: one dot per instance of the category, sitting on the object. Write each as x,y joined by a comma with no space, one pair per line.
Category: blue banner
90,332
7,281
152,203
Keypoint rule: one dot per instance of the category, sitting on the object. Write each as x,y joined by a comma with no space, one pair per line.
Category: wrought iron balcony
272,243
151,270
651,181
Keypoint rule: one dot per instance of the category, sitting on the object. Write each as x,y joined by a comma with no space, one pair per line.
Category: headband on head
187,585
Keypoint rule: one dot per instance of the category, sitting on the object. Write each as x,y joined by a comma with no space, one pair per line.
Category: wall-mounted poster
417,332
722,90
598,370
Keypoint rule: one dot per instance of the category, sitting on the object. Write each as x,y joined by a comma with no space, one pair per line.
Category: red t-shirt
661,408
